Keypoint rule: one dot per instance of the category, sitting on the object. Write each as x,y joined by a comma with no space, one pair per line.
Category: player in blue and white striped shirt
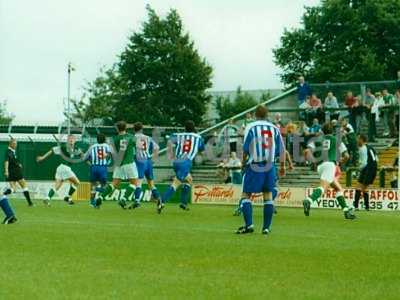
98,156
187,145
146,148
262,144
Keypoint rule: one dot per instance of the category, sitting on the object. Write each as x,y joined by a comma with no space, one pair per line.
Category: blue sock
268,213
155,193
5,206
239,209
247,212
274,193
167,194
185,194
138,193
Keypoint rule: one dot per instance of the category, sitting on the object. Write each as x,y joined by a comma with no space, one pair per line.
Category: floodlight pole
398,154
69,99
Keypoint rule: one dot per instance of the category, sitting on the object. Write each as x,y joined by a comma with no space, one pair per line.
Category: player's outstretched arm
43,157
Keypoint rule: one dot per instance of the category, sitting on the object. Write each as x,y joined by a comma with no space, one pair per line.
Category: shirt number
123,145
266,139
100,153
187,146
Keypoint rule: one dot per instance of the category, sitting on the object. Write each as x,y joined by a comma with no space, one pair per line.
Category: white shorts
64,172
327,171
126,172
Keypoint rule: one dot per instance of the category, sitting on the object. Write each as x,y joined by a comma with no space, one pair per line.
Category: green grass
76,252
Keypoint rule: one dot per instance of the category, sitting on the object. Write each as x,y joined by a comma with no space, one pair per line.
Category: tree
343,40
242,101
159,79
5,116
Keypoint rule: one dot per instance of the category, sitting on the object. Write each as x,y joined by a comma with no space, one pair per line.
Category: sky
39,38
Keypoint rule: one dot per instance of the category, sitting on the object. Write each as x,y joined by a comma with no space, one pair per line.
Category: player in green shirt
328,153
67,155
124,165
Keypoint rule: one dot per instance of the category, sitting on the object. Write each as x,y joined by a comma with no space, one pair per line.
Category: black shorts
367,176
15,175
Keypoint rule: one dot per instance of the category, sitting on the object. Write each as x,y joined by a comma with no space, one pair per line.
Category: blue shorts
182,168
98,173
259,178
145,169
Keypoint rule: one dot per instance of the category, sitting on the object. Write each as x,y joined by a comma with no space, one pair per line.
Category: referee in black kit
13,171
368,170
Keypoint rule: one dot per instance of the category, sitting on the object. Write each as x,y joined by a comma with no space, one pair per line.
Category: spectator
307,108
352,104
377,107
388,113
398,80
303,90
397,101
315,129
291,130
316,109
368,103
303,132
331,103
234,165
230,132
249,118
278,123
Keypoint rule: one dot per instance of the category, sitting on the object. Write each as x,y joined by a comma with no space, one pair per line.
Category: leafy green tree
343,40
227,108
5,116
159,79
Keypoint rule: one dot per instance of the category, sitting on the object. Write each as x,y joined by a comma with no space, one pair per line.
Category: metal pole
398,154
68,99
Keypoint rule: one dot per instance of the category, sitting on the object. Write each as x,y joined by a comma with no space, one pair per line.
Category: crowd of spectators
370,107
346,116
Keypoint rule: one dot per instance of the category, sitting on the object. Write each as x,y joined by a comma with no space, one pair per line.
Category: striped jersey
187,145
99,154
263,141
145,146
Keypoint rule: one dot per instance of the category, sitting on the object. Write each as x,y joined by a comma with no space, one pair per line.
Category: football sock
357,198
27,196
138,193
155,193
130,189
366,200
72,189
317,193
247,212
5,206
342,202
167,194
268,213
51,194
107,191
8,191
239,209
274,193
185,194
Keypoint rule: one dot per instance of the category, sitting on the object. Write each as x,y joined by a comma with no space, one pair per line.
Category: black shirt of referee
14,166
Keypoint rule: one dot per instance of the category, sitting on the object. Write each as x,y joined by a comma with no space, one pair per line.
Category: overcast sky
39,38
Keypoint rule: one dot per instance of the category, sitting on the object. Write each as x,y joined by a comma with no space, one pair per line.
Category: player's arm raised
46,155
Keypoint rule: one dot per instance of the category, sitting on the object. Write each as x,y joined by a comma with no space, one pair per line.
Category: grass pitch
63,252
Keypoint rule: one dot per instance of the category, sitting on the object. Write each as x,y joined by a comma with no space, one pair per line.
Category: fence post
382,176
349,177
